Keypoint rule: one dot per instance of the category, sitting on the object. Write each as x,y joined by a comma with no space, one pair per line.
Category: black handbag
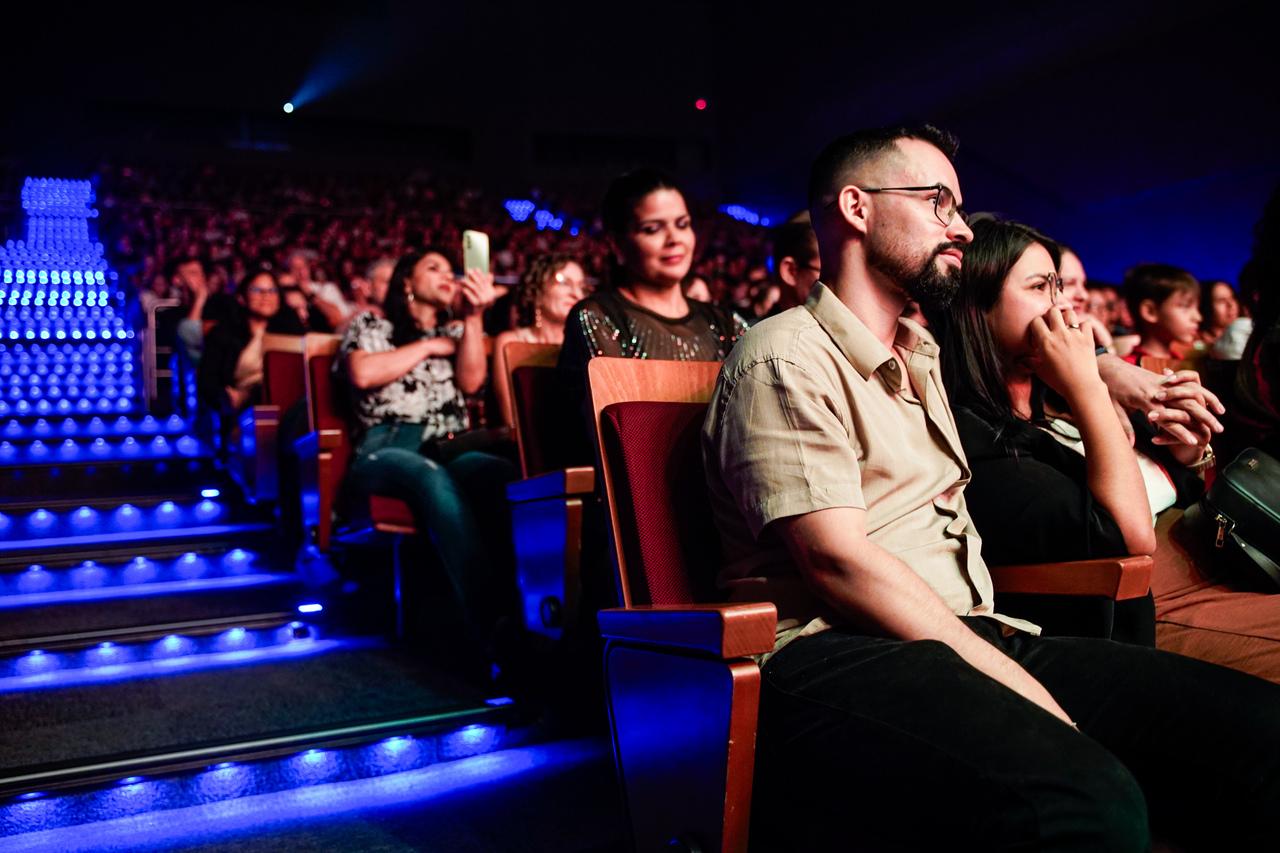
1241,515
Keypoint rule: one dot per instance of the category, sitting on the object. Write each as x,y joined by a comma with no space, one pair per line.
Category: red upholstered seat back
325,411
283,383
548,420
666,531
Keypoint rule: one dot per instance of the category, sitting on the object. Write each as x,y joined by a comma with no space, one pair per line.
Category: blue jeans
461,505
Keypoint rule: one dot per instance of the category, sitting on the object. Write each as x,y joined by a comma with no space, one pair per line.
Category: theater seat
547,504
254,460
683,690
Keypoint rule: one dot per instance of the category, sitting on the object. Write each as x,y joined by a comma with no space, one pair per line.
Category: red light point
700,104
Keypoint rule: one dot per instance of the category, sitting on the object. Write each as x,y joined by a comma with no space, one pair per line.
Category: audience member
795,260
1053,474
408,373
1163,299
837,480
229,376
1075,290
1032,496
548,291
1219,308
643,313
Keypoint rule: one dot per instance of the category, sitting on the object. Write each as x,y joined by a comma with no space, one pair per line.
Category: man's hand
1177,403
876,590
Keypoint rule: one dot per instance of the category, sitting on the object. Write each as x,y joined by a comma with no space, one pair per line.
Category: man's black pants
874,744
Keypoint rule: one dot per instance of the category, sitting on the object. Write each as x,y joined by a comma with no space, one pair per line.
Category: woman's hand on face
478,292
1063,350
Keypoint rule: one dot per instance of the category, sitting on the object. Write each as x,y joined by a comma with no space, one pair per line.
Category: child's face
1178,317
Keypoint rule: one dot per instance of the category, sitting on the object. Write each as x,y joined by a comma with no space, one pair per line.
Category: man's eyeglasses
944,203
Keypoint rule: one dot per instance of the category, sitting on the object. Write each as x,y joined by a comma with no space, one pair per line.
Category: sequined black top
609,324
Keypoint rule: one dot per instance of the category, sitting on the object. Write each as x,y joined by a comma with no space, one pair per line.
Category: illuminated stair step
397,759
44,407
40,669
88,519
38,451
81,427
37,585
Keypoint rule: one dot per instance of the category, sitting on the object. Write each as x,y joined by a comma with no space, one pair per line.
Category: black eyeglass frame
940,187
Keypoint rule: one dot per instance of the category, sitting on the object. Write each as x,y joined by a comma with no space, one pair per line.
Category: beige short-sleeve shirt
811,412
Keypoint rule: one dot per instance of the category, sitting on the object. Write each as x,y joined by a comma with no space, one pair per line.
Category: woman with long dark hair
643,312
229,377
1053,474
408,371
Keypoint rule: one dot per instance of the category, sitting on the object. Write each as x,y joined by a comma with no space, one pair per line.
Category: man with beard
899,709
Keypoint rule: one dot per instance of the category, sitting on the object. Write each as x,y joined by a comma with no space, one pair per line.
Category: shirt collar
864,350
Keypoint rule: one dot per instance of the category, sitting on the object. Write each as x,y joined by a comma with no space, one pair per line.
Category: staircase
158,646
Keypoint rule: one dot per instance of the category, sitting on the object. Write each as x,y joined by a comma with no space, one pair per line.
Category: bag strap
1268,565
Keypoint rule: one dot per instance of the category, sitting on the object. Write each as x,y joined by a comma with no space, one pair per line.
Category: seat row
682,685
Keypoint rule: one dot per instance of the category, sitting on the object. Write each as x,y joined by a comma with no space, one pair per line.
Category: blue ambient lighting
108,662
231,800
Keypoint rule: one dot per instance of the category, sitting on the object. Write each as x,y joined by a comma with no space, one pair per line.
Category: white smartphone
475,251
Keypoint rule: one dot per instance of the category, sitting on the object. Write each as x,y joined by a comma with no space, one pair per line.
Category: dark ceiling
1136,130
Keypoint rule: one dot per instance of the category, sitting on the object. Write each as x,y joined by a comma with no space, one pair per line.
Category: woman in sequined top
644,312
408,374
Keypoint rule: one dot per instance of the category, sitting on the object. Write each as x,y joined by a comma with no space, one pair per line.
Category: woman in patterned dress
408,373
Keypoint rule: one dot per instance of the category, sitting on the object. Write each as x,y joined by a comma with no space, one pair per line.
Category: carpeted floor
156,714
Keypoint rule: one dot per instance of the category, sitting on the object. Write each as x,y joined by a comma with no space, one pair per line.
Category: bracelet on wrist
1206,459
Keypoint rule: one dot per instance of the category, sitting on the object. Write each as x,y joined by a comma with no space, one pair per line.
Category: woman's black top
1029,497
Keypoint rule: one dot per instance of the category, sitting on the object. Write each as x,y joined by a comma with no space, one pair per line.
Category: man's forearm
874,589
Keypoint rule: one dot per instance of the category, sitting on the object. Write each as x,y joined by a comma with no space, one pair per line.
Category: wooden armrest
265,413
1115,577
724,630
553,484
312,443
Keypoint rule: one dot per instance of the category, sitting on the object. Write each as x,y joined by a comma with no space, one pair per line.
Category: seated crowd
909,395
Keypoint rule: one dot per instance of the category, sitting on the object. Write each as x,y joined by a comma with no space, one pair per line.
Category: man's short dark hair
181,261
795,239
844,156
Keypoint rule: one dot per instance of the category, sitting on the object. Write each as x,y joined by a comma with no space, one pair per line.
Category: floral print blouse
425,395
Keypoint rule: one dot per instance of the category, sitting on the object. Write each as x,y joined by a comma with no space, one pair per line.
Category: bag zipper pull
1225,526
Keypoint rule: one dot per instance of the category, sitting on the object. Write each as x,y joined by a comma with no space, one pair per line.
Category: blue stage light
310,608
210,493
288,108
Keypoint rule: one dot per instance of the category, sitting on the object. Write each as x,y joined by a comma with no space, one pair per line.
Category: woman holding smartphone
408,373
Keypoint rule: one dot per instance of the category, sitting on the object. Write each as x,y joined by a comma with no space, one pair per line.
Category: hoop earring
409,297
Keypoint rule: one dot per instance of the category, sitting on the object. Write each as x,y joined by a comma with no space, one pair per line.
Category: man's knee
1093,805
